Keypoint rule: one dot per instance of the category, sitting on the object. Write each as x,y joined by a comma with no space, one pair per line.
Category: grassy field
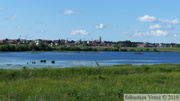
87,83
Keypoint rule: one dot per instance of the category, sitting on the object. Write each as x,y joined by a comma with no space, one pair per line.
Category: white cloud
151,33
18,26
160,29
177,35
41,31
81,32
159,33
157,26
147,18
100,26
175,21
70,12
127,33
14,17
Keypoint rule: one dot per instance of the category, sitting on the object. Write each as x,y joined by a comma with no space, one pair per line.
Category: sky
155,21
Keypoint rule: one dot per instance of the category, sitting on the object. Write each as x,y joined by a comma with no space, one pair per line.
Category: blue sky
114,20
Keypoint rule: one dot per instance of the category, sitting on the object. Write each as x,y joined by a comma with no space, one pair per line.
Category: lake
16,60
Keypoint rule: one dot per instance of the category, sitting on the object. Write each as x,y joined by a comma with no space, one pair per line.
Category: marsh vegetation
107,83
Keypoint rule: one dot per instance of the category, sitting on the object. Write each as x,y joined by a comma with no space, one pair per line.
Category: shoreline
20,48
30,67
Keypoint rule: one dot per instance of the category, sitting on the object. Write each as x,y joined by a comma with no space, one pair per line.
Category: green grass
88,83
152,49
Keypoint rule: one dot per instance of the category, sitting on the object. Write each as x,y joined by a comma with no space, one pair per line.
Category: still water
16,60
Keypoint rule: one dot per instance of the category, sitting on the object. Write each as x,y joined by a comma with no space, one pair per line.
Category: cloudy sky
114,20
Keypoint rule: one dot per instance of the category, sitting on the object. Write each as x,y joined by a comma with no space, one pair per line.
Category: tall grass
152,49
88,84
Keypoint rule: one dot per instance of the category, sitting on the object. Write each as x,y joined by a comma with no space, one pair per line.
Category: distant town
94,43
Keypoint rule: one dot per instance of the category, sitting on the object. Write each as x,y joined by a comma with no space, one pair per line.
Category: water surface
17,60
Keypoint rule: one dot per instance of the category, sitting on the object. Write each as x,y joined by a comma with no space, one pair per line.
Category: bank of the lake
107,83
6,47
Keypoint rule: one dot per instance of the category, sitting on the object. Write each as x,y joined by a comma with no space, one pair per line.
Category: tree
33,47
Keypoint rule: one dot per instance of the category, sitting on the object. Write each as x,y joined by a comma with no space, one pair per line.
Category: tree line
5,47
25,47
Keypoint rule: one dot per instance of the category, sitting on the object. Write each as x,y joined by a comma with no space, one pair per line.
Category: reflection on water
16,60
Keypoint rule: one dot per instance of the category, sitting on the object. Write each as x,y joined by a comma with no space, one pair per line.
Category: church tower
100,40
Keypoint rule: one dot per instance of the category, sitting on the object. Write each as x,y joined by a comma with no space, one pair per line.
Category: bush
124,50
53,62
155,50
24,67
147,49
